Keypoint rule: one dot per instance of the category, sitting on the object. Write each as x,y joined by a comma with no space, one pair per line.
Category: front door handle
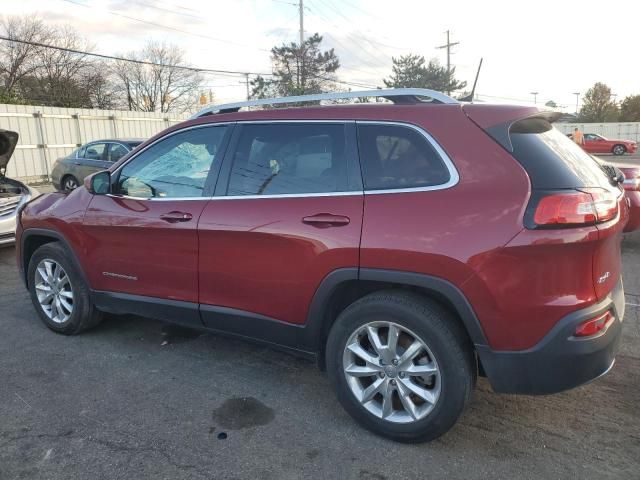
175,217
324,220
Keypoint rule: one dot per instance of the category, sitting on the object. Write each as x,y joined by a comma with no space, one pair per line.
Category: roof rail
403,96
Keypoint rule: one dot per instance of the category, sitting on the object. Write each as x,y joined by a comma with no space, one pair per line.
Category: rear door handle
323,220
175,217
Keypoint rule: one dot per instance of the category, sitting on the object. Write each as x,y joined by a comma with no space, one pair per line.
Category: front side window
395,156
176,166
289,158
95,151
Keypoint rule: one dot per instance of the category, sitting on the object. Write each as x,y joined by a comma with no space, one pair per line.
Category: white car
13,194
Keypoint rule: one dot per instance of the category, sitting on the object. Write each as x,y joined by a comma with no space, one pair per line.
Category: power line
167,27
131,60
182,67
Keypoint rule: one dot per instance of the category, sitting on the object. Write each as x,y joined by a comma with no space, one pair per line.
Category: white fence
622,131
48,133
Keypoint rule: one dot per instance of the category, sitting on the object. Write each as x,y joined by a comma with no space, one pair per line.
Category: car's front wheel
58,291
69,183
401,365
619,150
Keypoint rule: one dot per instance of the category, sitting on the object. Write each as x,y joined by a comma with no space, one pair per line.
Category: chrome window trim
454,177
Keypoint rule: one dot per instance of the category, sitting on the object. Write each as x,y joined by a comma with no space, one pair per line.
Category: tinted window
275,159
394,156
176,166
116,152
552,160
95,151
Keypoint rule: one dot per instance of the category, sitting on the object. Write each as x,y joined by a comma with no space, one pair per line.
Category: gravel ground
139,399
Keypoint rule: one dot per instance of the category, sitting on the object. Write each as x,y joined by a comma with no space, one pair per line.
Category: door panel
293,215
135,251
259,255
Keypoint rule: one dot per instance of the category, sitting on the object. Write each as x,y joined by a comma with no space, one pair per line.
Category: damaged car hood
8,141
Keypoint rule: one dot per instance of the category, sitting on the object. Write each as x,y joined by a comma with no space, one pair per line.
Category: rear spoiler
500,121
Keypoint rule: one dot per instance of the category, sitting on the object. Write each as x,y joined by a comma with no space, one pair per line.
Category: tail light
576,208
595,325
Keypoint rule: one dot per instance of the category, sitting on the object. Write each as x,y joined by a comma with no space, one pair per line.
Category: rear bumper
559,361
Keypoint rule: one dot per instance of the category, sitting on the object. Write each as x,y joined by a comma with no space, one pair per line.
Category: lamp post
535,97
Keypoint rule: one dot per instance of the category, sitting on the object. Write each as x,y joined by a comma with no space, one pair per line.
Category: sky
554,48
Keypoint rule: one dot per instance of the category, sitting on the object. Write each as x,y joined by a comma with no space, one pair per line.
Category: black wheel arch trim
44,232
440,286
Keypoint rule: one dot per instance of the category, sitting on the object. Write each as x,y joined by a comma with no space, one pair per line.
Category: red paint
632,192
259,255
269,255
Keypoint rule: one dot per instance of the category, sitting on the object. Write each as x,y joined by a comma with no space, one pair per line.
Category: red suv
408,246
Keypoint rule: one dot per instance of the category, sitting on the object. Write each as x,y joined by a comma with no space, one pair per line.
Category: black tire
445,338
619,149
83,314
69,183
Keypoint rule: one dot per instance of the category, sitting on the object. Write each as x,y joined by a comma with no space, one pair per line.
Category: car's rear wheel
619,150
59,292
69,182
401,365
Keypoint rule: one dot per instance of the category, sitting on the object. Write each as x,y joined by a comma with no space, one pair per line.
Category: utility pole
301,9
246,81
535,97
448,46
577,94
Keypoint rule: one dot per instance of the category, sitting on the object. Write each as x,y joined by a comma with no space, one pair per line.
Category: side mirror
99,183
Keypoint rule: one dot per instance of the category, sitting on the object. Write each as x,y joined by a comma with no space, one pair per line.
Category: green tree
630,109
412,71
597,105
298,70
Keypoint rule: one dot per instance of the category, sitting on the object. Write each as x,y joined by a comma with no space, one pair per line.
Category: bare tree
60,75
18,60
159,85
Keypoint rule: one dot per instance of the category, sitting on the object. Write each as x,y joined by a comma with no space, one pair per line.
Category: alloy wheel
618,150
70,184
391,372
54,291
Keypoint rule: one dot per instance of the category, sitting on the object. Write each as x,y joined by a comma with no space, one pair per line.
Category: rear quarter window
398,157
552,160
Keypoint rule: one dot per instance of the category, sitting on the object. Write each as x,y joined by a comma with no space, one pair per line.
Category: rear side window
552,160
396,156
295,158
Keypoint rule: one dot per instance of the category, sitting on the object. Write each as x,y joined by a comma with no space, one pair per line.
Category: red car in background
594,143
631,186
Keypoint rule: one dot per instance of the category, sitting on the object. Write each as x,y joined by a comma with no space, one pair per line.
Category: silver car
13,194
69,172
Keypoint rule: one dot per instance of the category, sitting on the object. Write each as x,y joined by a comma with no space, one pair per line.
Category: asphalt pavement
136,399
